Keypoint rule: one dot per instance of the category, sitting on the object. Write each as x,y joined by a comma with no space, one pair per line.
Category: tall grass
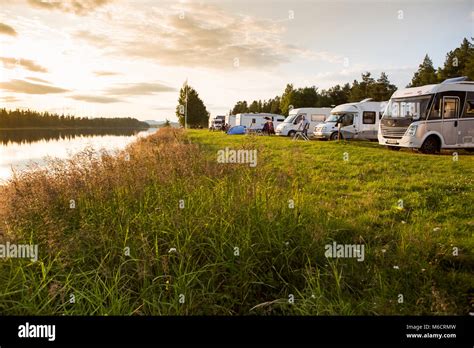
239,247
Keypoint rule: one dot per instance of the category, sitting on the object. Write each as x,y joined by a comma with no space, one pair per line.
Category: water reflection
19,149
29,136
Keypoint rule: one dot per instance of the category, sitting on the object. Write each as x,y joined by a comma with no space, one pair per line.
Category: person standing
304,125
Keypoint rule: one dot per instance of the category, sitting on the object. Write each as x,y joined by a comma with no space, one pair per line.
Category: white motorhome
358,120
231,120
314,115
431,117
256,121
216,122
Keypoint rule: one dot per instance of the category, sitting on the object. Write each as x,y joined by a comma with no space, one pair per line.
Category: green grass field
247,240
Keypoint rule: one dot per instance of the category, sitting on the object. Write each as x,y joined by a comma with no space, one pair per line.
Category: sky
124,58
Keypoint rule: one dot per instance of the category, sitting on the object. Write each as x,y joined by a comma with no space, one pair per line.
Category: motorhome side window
435,110
299,117
347,120
368,117
254,120
450,107
469,110
318,118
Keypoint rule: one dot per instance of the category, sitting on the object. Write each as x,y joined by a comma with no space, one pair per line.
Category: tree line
33,119
459,62
378,89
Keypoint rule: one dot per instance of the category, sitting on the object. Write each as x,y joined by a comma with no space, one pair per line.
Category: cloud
96,99
139,89
200,40
20,86
37,80
7,30
106,73
12,63
94,39
9,99
201,35
79,7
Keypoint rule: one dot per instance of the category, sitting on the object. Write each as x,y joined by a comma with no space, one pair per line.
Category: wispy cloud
79,7
7,30
92,38
96,99
9,99
129,89
12,63
106,73
21,86
36,79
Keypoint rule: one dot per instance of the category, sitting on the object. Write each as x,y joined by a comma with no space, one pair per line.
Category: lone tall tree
197,114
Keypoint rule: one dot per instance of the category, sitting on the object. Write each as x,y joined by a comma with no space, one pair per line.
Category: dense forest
32,119
458,62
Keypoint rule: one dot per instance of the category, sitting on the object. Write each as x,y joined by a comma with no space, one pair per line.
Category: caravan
256,121
230,120
314,115
352,121
431,117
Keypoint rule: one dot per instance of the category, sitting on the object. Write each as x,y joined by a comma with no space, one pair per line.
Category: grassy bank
227,237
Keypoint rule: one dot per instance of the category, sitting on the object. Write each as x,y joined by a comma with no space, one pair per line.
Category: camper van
314,115
352,121
430,118
216,122
256,121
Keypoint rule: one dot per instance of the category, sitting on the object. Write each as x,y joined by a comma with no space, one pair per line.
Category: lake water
20,148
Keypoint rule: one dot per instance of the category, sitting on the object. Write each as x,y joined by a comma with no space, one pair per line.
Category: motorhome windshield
290,118
415,108
333,118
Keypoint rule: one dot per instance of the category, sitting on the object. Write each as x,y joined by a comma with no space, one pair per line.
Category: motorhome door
348,128
450,112
466,123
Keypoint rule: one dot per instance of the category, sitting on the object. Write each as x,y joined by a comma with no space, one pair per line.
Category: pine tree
458,62
287,99
425,75
197,114
383,89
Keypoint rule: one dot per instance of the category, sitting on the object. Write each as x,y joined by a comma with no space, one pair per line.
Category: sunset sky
129,58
